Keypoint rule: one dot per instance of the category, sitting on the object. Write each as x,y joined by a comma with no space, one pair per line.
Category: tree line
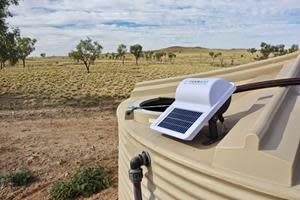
13,47
276,50
147,55
264,52
87,51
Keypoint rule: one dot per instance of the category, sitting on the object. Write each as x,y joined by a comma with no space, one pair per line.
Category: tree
171,56
86,51
148,55
220,55
7,38
122,49
279,50
212,55
232,60
137,51
8,49
294,47
43,55
266,50
216,55
25,46
158,56
252,51
4,13
113,56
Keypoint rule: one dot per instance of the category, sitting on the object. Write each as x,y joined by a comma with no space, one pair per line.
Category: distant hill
181,49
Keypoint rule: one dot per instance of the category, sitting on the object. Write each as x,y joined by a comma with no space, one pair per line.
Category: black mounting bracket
214,133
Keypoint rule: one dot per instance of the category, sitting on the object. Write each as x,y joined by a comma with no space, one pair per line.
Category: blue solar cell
180,120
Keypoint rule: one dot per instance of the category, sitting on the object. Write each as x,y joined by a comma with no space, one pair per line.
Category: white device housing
203,95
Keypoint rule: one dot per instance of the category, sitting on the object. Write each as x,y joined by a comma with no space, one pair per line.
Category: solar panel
180,120
197,100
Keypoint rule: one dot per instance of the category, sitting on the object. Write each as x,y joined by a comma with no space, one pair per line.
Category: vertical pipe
136,172
137,191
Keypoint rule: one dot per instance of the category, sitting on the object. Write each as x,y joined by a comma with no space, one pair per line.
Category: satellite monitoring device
198,101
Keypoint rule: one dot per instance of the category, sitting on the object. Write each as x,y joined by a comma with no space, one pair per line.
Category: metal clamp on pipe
136,172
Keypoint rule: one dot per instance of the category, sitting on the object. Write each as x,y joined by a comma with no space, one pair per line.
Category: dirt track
52,143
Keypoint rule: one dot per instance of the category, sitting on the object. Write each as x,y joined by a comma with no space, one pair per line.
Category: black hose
136,172
268,84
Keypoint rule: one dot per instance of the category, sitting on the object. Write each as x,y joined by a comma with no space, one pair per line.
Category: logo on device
196,82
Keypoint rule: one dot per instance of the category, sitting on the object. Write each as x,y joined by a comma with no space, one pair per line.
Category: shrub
20,178
62,190
86,181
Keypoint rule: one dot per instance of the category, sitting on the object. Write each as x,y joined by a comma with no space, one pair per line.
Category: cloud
59,24
128,24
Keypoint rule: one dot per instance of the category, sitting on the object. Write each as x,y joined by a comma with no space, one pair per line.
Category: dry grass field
54,116
59,81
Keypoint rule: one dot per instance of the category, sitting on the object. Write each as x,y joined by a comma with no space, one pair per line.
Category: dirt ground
52,143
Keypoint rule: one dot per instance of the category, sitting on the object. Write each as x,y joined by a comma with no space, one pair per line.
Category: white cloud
60,24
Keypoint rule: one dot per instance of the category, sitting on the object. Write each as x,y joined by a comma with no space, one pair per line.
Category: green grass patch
19,178
85,181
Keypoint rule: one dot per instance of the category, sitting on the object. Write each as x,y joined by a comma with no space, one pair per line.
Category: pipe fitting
136,172
140,160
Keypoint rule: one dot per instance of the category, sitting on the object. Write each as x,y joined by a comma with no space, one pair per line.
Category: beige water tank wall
258,159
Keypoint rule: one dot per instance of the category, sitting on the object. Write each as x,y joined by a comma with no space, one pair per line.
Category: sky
59,25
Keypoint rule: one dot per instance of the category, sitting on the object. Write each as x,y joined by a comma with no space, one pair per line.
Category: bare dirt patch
52,143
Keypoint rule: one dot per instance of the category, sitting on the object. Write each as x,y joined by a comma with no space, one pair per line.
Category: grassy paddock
59,81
